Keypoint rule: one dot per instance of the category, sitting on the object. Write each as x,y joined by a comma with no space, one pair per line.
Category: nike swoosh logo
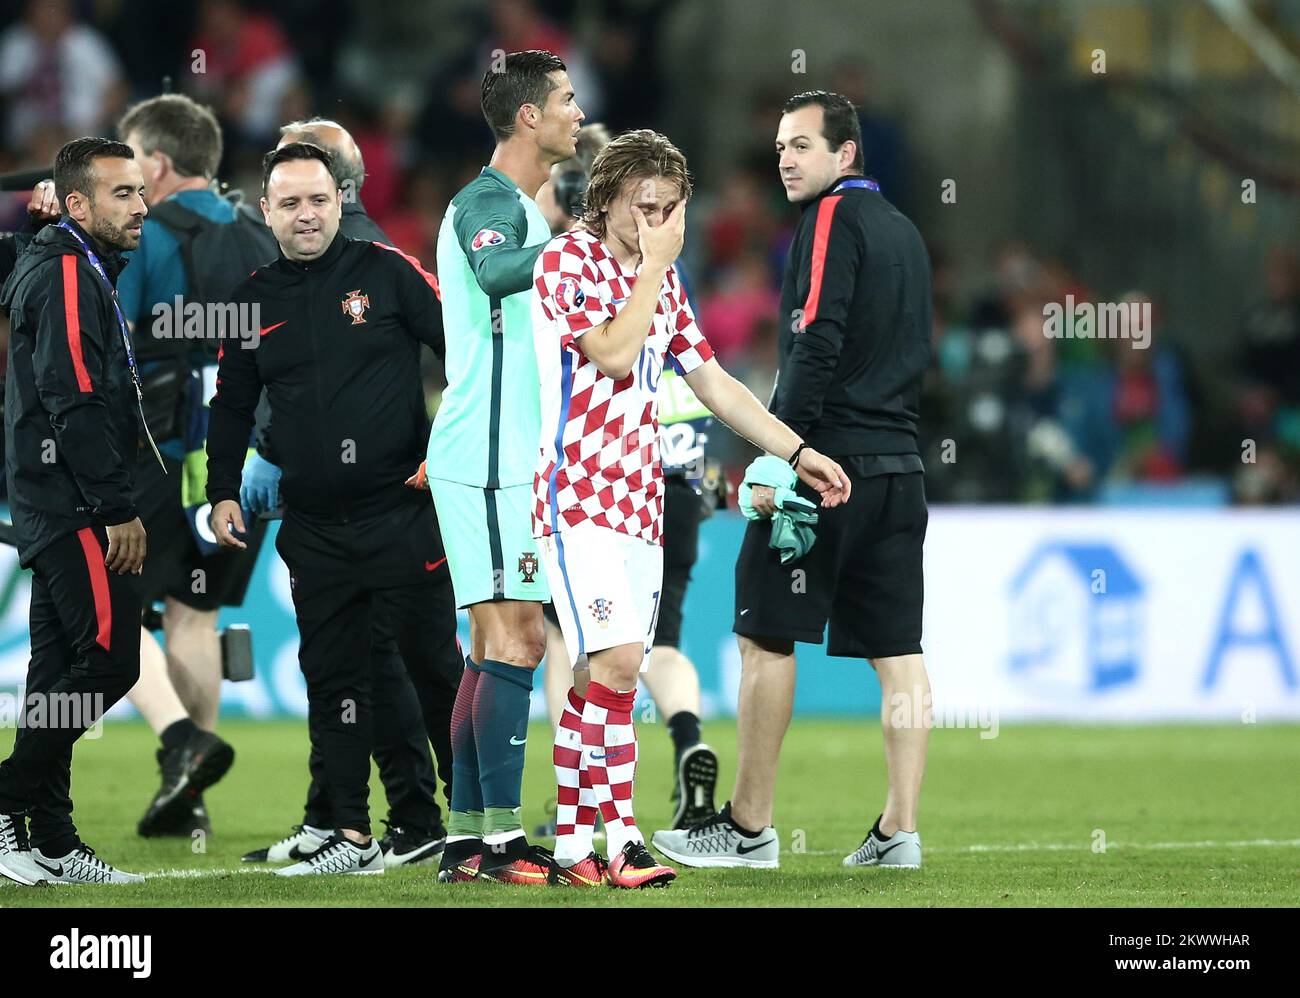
297,853
743,612
56,870
517,741
270,329
429,566
744,852
880,852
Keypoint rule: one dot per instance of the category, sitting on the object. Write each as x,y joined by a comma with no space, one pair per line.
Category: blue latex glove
260,491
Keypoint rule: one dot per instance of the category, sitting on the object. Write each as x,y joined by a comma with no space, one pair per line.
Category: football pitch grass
1189,815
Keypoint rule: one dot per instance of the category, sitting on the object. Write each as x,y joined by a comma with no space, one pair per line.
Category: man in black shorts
853,347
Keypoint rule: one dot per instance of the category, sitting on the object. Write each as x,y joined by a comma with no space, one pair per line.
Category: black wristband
794,458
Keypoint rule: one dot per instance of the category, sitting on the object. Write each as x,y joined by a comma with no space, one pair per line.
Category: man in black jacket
416,833
72,427
854,344
341,323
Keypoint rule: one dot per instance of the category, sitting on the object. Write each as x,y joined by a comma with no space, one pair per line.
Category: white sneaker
717,842
16,852
902,850
338,855
294,848
82,866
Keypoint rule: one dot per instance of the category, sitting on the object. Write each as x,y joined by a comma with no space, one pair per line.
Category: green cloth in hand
795,517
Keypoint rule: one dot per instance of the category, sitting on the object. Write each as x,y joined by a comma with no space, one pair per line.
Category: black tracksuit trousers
343,573
85,635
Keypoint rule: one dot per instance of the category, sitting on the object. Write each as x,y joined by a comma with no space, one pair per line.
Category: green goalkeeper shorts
488,537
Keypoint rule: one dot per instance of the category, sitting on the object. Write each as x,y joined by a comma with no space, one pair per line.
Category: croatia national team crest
569,295
528,565
601,609
486,237
355,305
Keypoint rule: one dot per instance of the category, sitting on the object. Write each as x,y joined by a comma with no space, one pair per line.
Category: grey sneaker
16,862
304,841
901,851
717,842
338,855
81,866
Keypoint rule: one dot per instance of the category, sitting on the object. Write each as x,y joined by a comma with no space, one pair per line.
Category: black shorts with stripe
174,555
863,575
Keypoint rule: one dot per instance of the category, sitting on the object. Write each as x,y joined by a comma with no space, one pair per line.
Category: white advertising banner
1101,614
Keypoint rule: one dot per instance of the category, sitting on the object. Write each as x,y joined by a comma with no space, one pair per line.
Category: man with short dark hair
72,422
854,345
481,456
342,321
416,832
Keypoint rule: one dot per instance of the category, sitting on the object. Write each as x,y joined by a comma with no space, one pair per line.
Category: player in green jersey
483,453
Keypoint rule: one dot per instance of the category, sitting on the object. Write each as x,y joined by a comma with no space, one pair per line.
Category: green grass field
1191,816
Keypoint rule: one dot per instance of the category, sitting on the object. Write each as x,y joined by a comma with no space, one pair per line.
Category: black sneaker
697,778
184,819
186,773
460,861
411,846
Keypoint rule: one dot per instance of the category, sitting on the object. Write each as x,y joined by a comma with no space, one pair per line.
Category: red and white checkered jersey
599,447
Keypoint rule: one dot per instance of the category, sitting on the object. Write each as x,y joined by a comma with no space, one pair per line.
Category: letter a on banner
1270,635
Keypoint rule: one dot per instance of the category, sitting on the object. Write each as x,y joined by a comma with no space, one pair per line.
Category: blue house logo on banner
1076,619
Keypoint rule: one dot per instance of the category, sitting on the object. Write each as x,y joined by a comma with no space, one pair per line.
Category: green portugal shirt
489,421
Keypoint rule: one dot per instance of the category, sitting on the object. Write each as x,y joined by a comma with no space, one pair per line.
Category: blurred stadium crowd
1009,414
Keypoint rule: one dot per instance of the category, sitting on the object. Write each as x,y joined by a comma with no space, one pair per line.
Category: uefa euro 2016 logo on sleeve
601,609
568,295
486,237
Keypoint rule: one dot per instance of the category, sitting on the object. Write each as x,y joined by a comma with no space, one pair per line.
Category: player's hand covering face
650,215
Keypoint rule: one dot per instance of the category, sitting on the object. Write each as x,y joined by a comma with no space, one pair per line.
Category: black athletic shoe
408,847
460,861
186,773
183,819
697,778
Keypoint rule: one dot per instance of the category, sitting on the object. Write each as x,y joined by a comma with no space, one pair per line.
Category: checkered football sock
575,812
609,750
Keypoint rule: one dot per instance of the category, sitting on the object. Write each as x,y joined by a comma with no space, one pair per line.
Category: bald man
351,169
410,712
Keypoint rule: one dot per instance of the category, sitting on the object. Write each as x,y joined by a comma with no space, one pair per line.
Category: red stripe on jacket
821,236
429,279
73,316
98,584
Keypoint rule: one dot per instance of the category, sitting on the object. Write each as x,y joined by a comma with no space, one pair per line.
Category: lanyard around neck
122,328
